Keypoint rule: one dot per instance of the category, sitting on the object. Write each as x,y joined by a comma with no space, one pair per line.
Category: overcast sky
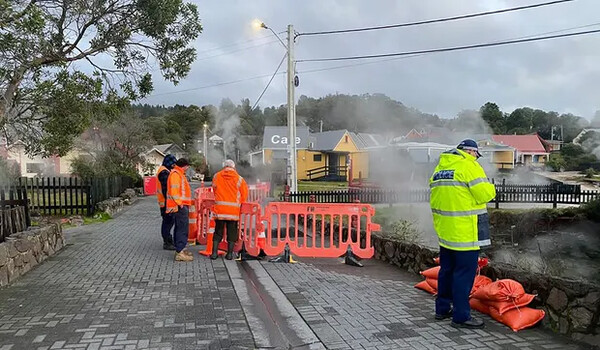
561,75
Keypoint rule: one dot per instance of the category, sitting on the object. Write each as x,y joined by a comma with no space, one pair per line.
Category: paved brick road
376,307
113,287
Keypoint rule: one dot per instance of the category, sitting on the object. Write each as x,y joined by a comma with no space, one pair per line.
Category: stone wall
114,205
572,307
22,251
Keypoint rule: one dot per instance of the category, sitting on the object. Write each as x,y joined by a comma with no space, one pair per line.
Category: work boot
440,317
182,256
215,251
187,252
169,245
229,254
473,323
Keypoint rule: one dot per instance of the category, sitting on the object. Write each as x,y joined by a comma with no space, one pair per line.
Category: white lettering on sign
282,139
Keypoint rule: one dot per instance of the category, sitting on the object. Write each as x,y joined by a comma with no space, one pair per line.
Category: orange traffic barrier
316,230
193,225
258,192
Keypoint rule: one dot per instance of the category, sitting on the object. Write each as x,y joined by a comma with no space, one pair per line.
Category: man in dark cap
460,191
161,194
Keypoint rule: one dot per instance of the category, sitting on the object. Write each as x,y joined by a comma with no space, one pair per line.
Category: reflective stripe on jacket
160,195
230,191
460,192
179,192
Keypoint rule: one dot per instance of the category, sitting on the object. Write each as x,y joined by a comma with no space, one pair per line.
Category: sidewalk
113,287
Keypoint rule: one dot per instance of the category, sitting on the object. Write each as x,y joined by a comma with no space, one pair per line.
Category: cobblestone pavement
376,307
113,287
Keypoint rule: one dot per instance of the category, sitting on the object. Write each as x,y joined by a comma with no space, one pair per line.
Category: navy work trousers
455,281
182,226
168,221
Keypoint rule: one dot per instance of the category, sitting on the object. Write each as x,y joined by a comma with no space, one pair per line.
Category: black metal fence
554,194
62,195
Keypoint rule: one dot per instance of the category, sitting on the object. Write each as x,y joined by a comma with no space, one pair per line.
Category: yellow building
499,155
326,155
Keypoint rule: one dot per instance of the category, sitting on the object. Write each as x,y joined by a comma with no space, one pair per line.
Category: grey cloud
560,75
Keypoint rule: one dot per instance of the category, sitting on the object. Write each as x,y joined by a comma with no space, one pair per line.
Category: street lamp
292,175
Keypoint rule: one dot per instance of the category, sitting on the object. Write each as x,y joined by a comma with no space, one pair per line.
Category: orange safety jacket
179,192
230,191
162,201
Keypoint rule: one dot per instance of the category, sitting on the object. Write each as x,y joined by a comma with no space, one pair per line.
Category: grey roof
273,136
167,148
327,140
366,141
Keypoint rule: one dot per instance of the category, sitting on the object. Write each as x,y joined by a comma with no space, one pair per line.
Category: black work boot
215,251
169,244
473,323
229,254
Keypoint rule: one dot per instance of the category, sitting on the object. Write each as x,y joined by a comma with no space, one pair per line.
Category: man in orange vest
161,194
230,191
179,198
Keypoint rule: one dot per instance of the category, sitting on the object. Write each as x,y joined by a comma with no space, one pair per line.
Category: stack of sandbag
506,302
430,284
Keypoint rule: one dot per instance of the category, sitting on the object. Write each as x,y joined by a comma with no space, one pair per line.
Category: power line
438,20
269,83
422,54
448,49
236,43
214,85
237,50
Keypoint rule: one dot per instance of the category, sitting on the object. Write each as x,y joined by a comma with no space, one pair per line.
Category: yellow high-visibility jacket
460,192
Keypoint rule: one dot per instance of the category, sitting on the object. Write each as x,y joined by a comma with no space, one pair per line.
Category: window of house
34,167
317,157
346,138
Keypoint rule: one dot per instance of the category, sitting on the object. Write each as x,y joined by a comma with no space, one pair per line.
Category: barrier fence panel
319,230
258,192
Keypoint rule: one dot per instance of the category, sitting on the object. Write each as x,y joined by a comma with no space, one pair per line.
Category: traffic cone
192,225
261,241
209,239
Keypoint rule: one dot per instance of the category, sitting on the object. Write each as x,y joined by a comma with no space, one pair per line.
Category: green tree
491,113
556,162
520,121
46,99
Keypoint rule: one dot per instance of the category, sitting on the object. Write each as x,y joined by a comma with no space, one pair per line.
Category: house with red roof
529,149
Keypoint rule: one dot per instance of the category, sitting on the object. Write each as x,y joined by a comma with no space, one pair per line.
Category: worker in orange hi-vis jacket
230,191
179,198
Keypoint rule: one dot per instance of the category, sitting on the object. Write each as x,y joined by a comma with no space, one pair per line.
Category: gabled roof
327,140
523,143
368,141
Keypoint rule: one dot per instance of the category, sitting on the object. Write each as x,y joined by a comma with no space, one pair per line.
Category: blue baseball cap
469,144
169,161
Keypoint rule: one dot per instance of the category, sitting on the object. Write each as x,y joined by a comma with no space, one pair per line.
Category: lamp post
292,175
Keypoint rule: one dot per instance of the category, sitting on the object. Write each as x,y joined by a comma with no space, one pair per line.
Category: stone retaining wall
22,251
572,307
114,205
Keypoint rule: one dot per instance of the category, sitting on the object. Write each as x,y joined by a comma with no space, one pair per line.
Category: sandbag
479,282
518,319
433,283
423,285
501,290
432,272
478,305
504,306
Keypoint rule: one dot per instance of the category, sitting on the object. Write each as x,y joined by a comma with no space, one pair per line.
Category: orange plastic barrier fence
315,230
258,192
